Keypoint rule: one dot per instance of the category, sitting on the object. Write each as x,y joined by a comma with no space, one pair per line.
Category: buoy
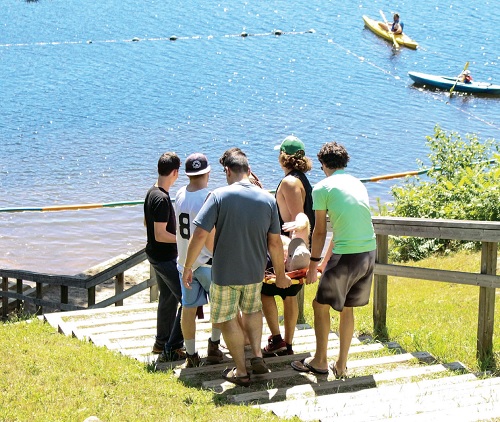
244,34
278,32
135,39
173,38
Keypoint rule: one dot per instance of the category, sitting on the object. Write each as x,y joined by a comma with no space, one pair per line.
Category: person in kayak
396,27
466,77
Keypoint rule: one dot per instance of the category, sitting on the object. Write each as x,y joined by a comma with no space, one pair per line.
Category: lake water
86,111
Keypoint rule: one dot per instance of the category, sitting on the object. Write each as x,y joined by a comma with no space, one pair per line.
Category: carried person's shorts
227,301
272,290
347,280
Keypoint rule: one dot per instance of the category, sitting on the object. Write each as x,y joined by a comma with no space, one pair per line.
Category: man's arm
161,233
196,243
318,243
275,247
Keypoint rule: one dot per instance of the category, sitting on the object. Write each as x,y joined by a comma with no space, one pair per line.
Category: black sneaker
193,360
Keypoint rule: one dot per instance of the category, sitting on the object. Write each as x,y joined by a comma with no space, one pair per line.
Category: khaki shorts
227,301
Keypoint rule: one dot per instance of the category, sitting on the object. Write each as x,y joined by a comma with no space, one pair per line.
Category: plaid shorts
227,301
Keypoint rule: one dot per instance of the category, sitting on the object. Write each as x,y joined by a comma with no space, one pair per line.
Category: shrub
462,183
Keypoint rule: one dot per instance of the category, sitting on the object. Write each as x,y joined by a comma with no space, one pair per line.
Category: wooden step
392,401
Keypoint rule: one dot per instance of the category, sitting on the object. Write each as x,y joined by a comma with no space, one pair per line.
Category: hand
283,282
187,278
312,273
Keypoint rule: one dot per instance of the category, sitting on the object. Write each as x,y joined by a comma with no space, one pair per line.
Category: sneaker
275,345
193,360
214,355
172,355
289,350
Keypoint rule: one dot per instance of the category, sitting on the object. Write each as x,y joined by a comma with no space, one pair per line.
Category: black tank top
308,202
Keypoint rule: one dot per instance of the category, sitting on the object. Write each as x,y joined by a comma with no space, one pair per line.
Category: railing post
5,299
486,314
380,288
153,290
64,294
119,284
39,295
91,296
19,290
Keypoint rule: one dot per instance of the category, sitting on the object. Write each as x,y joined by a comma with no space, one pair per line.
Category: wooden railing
89,283
488,233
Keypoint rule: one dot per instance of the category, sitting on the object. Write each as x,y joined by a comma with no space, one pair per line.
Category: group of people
218,245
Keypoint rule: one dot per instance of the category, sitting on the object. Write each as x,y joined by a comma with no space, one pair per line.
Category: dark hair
297,161
333,155
228,152
235,159
168,162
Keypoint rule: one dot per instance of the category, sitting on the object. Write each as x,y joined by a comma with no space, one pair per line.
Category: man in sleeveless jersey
188,202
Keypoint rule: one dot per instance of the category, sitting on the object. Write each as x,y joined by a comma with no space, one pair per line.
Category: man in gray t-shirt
246,224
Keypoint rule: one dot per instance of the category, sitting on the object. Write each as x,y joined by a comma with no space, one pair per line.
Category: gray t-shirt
243,215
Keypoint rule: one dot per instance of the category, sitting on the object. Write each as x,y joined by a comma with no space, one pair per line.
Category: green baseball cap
292,144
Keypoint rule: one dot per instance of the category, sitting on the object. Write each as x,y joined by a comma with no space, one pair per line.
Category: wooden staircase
384,381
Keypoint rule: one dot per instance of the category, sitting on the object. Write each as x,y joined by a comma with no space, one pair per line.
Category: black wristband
316,259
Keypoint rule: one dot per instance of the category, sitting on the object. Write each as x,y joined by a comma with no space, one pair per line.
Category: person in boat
347,277
161,251
466,77
188,202
247,227
396,27
293,196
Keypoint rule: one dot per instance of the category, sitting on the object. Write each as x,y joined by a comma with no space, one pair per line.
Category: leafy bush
463,183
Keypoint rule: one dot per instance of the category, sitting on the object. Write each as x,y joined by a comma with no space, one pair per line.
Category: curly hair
297,161
333,155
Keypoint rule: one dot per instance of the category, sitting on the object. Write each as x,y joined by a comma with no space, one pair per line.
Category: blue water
86,111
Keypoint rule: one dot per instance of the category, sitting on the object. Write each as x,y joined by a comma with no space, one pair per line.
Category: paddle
396,45
458,77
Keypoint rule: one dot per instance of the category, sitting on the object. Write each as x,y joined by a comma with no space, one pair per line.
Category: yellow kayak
401,39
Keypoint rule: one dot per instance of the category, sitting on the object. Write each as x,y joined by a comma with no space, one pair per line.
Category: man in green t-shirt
347,276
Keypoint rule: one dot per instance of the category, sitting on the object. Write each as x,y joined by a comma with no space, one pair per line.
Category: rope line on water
274,32
141,202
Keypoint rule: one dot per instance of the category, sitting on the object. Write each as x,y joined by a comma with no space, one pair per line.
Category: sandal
229,375
303,366
259,366
336,374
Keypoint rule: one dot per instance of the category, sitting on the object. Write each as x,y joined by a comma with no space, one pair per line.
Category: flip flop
303,366
335,373
229,375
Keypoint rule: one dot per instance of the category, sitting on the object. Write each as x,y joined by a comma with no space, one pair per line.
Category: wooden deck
385,381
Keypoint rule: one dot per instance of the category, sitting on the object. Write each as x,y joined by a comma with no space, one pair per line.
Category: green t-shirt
345,199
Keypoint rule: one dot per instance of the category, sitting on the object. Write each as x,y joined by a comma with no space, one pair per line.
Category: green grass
435,317
45,376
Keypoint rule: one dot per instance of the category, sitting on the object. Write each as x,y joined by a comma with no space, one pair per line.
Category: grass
45,376
439,318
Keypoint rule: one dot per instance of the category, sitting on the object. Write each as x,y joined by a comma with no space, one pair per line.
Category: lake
87,111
